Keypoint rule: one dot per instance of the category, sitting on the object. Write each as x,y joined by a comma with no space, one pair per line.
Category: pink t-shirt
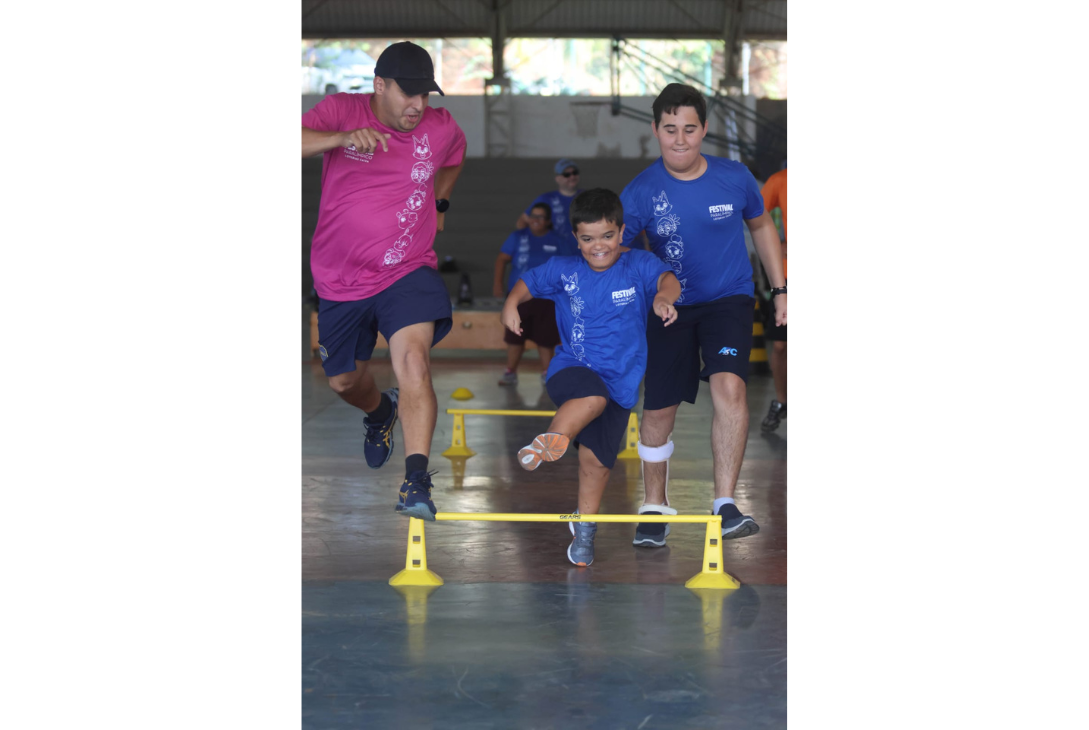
377,222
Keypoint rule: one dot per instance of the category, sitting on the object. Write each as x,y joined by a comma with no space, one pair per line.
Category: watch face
441,205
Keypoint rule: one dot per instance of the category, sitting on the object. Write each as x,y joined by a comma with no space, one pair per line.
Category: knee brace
656,455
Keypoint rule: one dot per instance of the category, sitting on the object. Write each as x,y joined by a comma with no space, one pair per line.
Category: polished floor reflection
518,637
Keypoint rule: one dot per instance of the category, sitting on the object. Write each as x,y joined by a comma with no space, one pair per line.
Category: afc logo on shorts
728,351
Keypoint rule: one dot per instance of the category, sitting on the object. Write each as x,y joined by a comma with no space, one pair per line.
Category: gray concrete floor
518,637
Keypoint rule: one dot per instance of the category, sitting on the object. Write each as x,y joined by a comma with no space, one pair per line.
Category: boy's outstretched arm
519,294
669,291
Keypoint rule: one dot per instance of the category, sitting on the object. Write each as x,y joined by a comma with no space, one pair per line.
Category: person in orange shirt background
775,196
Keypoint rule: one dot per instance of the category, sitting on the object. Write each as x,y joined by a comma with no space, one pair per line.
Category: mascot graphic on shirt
421,148
661,204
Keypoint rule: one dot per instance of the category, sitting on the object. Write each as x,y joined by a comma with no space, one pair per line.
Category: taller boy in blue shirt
691,206
603,298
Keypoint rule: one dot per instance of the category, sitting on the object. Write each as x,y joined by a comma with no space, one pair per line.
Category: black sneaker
378,443
414,499
776,412
735,524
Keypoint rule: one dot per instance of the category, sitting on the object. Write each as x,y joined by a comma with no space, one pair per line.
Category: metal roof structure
704,19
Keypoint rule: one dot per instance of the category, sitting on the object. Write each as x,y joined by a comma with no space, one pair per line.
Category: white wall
557,126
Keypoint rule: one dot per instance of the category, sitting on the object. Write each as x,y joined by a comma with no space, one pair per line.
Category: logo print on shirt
421,148
728,351
661,204
406,220
421,171
721,212
625,296
416,200
668,226
578,330
352,153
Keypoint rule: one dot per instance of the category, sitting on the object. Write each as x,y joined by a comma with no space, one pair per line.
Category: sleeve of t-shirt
754,201
634,222
455,148
326,116
510,246
541,281
650,267
771,193
542,198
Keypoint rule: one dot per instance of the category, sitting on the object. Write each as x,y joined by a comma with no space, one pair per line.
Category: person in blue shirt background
603,300
559,200
524,250
691,206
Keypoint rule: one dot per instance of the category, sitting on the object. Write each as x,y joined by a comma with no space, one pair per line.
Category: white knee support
656,455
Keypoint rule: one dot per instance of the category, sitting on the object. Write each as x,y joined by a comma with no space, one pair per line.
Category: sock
719,502
380,414
415,462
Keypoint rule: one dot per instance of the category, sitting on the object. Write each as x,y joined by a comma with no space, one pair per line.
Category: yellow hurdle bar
712,575
459,446
531,517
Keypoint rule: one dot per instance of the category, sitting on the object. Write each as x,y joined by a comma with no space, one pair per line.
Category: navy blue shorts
348,331
605,434
538,317
719,331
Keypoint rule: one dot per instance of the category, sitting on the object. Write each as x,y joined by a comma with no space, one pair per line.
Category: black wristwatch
778,290
442,204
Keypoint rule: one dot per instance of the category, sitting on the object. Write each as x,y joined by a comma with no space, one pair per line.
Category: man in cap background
559,200
389,167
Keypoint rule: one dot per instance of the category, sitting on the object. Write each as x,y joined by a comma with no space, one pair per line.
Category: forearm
522,222
519,294
315,142
669,289
500,264
765,239
445,179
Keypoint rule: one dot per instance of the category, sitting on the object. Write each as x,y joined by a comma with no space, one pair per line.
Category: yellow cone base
712,575
631,451
462,394
416,572
458,447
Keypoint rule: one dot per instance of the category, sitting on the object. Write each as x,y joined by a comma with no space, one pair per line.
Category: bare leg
514,356
654,431
545,354
575,414
357,388
779,369
410,353
729,430
592,480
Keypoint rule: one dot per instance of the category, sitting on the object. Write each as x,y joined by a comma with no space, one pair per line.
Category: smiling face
680,135
599,243
540,219
393,108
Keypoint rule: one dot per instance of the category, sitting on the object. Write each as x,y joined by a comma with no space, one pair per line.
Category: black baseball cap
410,66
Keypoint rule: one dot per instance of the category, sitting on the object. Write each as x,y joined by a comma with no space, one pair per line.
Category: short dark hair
595,205
678,95
545,207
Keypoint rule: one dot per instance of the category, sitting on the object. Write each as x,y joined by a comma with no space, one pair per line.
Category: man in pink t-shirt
390,163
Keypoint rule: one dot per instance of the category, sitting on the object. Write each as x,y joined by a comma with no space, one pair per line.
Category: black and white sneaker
735,524
652,534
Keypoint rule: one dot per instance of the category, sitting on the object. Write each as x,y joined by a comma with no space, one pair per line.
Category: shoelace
413,483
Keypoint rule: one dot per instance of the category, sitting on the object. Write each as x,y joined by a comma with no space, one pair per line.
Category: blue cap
563,165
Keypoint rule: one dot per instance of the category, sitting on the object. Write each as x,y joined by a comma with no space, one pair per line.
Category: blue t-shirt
696,226
528,251
561,209
602,316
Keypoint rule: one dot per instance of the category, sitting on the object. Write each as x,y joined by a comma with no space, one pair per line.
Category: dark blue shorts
348,331
605,434
719,331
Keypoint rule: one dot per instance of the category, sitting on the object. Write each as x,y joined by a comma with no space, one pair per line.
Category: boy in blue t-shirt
603,298
524,250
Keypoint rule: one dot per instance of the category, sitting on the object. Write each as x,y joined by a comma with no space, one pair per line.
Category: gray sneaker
510,377
581,550
776,412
